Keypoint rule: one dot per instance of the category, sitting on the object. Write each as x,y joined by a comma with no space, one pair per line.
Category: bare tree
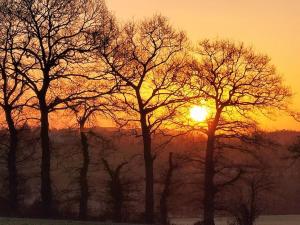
84,111
12,100
237,84
55,40
175,162
119,188
247,202
147,59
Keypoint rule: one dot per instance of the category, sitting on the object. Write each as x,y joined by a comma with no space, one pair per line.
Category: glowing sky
270,26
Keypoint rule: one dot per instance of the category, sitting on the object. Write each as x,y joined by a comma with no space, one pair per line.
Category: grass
23,221
264,220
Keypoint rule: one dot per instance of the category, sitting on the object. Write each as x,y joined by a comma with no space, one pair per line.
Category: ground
264,220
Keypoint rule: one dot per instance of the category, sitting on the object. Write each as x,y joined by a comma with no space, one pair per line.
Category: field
264,220
21,221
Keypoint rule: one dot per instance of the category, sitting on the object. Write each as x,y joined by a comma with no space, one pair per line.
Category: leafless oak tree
237,84
55,40
147,59
13,98
85,110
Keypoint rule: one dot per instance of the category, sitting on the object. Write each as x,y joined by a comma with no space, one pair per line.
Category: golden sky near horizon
270,26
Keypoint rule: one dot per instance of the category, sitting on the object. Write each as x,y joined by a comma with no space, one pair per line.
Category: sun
199,113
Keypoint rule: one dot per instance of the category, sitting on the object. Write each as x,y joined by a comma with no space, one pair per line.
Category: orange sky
270,26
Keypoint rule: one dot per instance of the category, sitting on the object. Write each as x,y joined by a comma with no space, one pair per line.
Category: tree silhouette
119,187
12,100
237,84
175,162
247,201
85,110
147,59
55,40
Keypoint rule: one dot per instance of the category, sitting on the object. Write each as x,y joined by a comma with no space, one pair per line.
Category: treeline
74,58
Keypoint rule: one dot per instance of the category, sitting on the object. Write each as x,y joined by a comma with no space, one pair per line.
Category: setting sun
199,113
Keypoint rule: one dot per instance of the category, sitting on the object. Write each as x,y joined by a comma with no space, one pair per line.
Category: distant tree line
74,58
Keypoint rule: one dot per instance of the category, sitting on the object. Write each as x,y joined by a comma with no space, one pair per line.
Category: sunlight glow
199,113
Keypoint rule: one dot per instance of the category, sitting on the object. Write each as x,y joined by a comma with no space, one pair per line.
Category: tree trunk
209,186
84,188
115,190
118,198
166,192
253,209
46,189
12,163
149,178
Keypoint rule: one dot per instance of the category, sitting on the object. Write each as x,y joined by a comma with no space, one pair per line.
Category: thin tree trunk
46,189
164,211
118,198
149,178
209,187
84,188
115,190
12,163
252,205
